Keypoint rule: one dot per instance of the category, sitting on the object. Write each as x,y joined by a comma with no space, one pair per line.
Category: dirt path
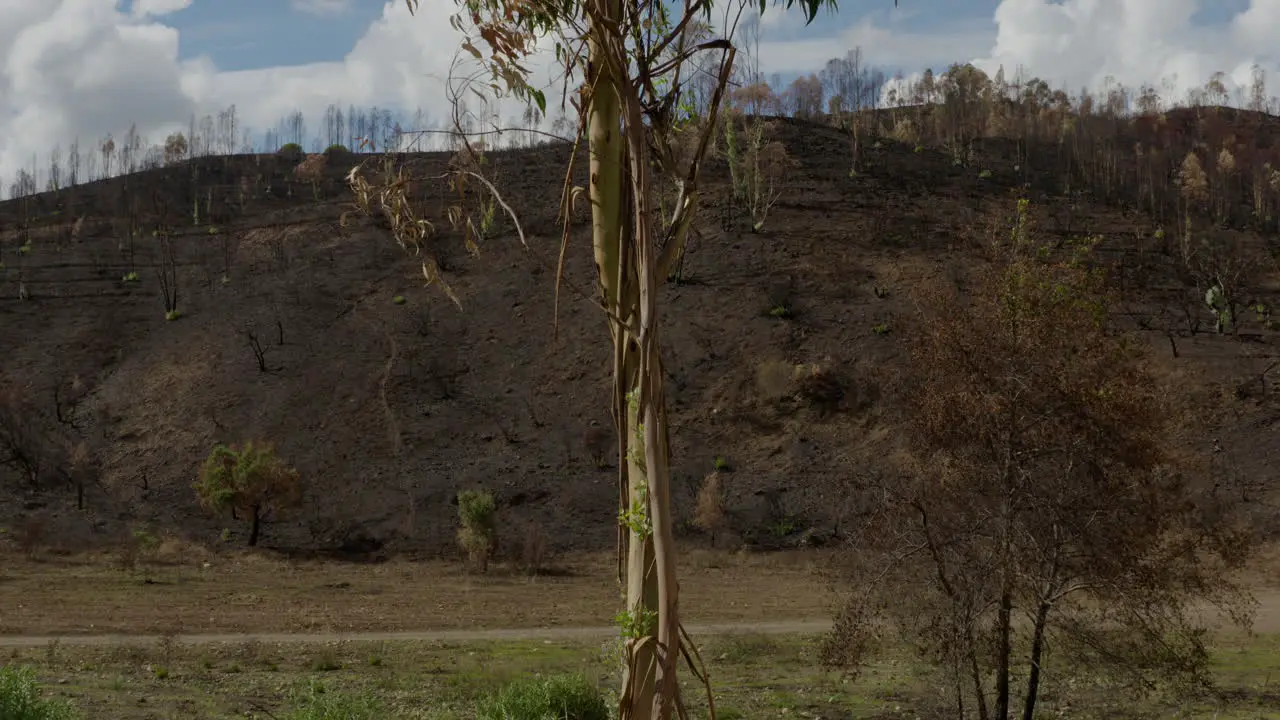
788,627
1266,621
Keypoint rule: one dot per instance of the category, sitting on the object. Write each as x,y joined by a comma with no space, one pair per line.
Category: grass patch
559,697
315,701
754,676
22,699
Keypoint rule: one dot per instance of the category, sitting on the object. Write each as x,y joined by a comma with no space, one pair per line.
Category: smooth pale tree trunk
610,236
628,266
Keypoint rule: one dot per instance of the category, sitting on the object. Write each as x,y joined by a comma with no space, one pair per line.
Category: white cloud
399,62
87,67
321,7
81,68
880,45
156,8
1079,43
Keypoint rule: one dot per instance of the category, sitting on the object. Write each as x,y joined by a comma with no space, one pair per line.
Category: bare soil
388,408
258,594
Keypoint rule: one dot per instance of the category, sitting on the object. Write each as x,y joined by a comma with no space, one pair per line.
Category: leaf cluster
248,479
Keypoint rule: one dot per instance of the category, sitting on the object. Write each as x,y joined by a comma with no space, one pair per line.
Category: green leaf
540,99
808,7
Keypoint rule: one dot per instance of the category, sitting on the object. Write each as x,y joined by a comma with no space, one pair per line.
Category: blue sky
253,34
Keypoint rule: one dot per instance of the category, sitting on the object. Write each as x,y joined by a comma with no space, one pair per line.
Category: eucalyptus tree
637,61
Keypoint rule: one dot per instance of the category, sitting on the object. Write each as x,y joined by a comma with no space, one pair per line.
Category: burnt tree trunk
1037,650
255,525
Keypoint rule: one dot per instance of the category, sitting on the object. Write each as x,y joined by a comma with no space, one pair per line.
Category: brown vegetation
1044,476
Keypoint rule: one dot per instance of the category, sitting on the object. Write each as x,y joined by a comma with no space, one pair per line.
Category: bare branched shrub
821,387
167,272
175,148
905,131
83,467
30,535
709,513
533,552
1194,187
1043,479
758,164
23,445
311,171
598,443
137,546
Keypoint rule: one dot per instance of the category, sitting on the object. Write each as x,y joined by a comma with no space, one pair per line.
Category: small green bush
478,534
336,149
559,697
318,703
291,152
20,698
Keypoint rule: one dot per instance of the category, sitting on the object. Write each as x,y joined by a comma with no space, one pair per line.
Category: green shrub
20,698
292,152
318,703
478,534
336,149
559,697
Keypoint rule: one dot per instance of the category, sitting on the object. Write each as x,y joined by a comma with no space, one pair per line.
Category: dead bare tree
23,445
255,345
167,271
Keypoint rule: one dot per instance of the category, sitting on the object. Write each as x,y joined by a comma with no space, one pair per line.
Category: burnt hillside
389,399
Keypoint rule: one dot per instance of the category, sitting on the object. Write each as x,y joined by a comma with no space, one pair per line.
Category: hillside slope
388,408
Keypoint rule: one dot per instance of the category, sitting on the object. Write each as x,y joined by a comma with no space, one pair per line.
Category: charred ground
389,399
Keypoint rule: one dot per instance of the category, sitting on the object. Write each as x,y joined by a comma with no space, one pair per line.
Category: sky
83,68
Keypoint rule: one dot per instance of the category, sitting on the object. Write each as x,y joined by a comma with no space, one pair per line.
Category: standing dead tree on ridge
633,58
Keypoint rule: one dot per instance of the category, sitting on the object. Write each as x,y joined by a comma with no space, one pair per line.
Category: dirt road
1266,621
790,627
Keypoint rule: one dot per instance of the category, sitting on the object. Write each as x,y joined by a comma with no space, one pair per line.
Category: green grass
22,699
315,701
753,676
557,697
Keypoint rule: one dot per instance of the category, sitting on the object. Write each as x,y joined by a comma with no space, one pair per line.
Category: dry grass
242,592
